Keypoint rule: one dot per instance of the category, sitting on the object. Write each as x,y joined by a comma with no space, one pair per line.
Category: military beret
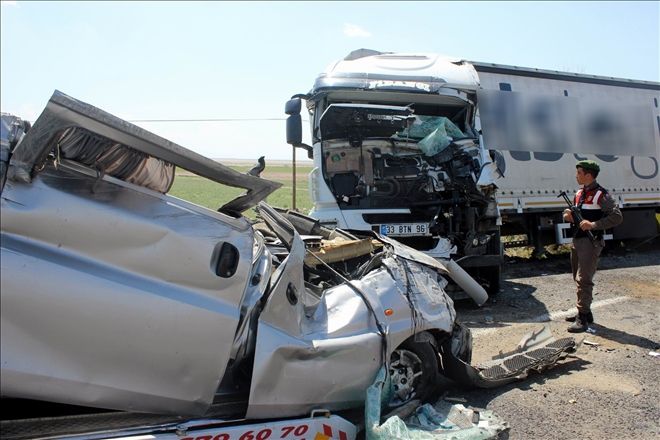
591,165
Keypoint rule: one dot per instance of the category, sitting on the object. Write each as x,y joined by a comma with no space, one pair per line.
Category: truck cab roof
413,72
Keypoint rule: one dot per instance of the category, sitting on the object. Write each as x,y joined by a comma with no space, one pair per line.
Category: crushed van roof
63,112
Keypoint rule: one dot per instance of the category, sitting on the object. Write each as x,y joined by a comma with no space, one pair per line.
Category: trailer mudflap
537,351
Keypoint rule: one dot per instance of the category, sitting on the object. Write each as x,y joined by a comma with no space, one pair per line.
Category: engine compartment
440,190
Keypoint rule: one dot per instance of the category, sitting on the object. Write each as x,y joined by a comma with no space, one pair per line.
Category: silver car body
114,294
326,351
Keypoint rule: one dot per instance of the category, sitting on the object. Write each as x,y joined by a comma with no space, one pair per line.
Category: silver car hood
64,112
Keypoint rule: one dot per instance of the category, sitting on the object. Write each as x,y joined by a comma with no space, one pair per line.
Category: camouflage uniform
597,206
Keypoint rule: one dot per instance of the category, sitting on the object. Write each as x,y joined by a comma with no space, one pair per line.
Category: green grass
212,195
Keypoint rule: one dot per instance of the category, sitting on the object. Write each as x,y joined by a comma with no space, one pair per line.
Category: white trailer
575,116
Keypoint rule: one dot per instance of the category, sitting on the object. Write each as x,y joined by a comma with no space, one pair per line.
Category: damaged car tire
414,370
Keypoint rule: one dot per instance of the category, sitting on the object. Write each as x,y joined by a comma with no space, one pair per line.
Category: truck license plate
403,229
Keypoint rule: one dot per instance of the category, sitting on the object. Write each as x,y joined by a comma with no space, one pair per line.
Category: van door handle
226,259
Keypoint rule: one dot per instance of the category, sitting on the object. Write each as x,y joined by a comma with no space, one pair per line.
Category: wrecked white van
117,295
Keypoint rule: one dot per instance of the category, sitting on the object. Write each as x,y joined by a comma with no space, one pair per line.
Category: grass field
212,195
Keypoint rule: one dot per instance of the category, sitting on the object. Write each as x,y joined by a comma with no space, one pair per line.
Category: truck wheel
493,274
493,277
414,370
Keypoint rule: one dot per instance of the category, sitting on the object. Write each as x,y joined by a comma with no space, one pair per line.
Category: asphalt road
610,388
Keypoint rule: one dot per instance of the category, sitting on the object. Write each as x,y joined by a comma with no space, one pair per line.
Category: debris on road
537,351
441,421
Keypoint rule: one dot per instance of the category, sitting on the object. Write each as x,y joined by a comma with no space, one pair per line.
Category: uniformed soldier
599,212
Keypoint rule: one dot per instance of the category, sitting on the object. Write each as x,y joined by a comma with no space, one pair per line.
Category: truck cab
397,150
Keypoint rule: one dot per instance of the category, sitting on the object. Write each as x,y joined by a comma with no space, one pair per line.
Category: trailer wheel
414,370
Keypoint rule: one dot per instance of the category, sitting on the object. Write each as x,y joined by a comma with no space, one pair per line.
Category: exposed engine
440,190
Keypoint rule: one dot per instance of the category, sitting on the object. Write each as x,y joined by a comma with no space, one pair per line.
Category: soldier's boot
590,318
580,325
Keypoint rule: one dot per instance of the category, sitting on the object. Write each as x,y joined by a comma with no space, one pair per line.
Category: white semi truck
447,155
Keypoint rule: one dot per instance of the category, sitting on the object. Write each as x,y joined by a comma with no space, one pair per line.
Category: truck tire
493,274
414,370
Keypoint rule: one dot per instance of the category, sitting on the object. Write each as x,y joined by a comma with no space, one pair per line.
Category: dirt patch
639,289
599,380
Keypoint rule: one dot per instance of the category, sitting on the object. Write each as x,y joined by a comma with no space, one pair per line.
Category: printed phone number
290,432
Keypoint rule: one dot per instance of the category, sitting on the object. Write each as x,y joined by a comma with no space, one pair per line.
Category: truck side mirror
293,122
294,130
292,106
294,125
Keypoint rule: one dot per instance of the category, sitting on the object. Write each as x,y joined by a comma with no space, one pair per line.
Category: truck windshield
433,133
426,125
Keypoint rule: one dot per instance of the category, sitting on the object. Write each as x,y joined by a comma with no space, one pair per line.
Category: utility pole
293,173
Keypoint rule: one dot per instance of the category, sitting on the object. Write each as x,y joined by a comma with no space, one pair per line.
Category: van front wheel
414,370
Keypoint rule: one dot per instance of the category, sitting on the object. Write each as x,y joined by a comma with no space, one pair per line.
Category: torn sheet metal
452,269
332,345
411,254
64,112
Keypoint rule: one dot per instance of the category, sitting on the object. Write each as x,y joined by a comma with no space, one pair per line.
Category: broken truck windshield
357,122
433,133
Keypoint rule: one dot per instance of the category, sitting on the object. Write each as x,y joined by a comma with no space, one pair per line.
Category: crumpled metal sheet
413,255
63,112
324,352
424,290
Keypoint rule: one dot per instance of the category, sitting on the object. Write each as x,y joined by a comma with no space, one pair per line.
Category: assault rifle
577,216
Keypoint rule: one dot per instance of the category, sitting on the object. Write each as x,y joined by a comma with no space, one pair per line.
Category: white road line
554,316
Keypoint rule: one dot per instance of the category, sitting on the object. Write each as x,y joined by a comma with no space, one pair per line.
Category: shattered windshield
433,133
423,126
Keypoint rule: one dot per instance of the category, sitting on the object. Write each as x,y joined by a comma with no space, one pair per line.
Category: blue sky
243,60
